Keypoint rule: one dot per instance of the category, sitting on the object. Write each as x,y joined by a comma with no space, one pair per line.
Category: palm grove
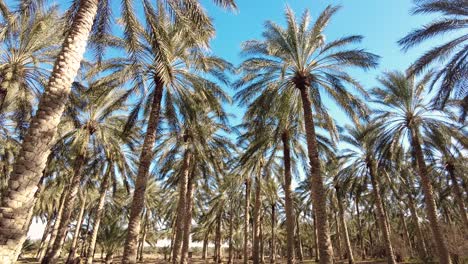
117,140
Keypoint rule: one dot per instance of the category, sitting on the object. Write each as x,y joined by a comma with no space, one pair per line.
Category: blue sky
381,22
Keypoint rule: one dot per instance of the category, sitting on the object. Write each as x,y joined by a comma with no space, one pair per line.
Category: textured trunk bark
188,219
181,207
72,253
18,199
458,195
138,202
288,197
143,238
246,221
262,245
256,221
430,205
318,190
54,254
349,250
97,218
380,212
317,251
273,234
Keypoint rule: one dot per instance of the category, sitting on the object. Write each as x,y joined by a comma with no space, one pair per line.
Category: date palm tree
298,58
451,55
405,115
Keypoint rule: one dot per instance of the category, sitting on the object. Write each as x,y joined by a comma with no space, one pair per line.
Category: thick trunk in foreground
72,252
347,241
318,191
246,221
317,252
256,221
18,199
98,217
138,202
181,208
380,212
69,206
458,194
188,219
288,197
429,200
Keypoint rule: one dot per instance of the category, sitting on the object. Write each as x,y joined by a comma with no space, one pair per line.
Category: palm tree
298,58
451,56
405,115
361,156
97,124
170,60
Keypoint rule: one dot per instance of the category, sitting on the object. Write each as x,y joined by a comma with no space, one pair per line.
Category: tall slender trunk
246,221
97,218
68,208
256,221
421,245
146,156
288,197
181,213
406,234
143,238
380,211
18,199
458,194
231,232
430,205
260,236
42,245
300,255
318,190
76,235
188,218
338,237
205,247
360,227
218,237
273,234
349,249
316,244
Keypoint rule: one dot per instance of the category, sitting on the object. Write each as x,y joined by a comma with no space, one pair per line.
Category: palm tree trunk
349,250
406,234
317,187
273,235
205,247
188,219
17,201
143,238
300,255
181,207
360,235
316,244
430,205
421,245
76,235
42,245
458,194
138,202
231,232
218,256
246,221
54,254
98,216
256,221
260,237
338,237
288,196
380,212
